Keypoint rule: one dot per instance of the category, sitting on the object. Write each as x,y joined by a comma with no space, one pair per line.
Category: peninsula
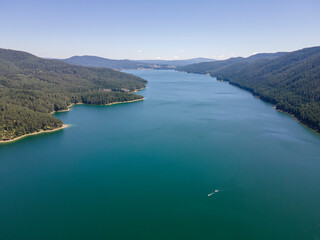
31,88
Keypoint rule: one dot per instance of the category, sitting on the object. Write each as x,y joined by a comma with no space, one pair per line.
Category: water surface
144,170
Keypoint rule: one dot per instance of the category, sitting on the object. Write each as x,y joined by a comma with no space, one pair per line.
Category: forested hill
290,81
32,87
206,67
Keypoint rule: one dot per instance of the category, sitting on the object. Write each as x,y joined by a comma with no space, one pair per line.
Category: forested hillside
32,87
207,67
290,81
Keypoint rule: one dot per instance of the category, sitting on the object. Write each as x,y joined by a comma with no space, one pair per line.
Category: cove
144,170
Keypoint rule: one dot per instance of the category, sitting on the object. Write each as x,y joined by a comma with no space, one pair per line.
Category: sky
166,29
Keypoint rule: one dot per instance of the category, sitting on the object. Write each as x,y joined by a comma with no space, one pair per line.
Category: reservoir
197,159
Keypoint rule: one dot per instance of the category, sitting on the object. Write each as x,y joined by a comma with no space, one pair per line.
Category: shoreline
64,125
256,96
294,117
66,110
34,133
108,104
137,90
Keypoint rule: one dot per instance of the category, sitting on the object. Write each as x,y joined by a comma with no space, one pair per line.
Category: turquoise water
144,170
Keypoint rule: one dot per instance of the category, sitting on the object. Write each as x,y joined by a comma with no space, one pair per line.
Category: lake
144,170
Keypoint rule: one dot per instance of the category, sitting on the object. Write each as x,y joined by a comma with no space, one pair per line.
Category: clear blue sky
167,29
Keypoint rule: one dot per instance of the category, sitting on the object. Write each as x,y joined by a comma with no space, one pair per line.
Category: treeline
17,121
102,98
31,87
290,81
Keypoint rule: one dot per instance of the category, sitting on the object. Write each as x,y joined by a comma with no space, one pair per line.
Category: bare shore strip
34,133
297,119
64,125
136,100
108,104
137,90
274,106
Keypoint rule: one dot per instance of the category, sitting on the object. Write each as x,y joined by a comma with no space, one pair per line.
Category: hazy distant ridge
179,62
93,61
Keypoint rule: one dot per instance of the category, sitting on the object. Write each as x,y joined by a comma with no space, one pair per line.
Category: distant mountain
290,81
93,61
178,62
269,56
206,67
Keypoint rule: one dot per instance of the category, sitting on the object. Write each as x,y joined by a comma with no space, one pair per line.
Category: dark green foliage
31,87
101,98
207,67
291,82
17,121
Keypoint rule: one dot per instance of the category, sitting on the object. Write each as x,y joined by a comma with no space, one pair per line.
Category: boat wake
215,191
